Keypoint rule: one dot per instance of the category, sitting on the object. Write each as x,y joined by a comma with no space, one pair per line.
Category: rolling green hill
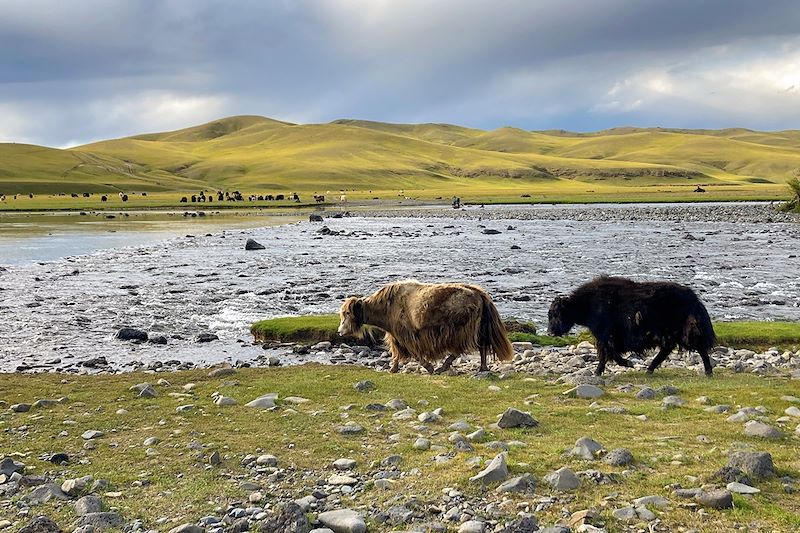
374,159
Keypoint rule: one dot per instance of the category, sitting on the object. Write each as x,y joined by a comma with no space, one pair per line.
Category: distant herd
428,323
201,197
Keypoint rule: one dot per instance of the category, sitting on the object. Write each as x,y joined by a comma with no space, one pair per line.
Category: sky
76,71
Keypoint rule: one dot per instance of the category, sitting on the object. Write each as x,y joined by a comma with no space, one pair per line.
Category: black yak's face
559,321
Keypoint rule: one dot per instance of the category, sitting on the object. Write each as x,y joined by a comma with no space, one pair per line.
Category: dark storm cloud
76,71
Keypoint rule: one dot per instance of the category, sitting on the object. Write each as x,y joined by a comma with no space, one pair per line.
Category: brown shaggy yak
428,322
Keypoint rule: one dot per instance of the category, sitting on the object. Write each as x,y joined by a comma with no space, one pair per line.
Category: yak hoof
394,369
626,363
709,374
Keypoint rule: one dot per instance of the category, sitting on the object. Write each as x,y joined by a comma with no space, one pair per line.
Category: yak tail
492,332
698,331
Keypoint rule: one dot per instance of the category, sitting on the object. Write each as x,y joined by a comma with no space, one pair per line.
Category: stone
585,391
461,425
266,401
223,401
527,524
206,337
513,418
626,514
646,393
20,407
92,434
756,464
8,466
101,520
45,493
184,408
343,521
267,460
715,499
396,404
187,528
252,244
130,334
555,529
350,428
40,524
523,483
730,474
73,487
741,488
585,448
618,457
477,435
144,390
344,464
496,470
472,526
673,401
792,411
364,386
88,504
422,444
291,519
754,428
656,501
562,479
426,417
338,479
215,459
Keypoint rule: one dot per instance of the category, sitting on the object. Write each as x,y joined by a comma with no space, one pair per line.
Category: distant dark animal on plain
183,200
629,316
73,195
144,194
269,197
279,197
699,189
104,198
319,198
124,197
428,322
87,194
194,198
30,196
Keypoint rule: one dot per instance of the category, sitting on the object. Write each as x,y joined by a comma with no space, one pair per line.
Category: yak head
351,317
559,317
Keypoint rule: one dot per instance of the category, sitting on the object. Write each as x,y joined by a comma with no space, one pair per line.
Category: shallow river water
66,309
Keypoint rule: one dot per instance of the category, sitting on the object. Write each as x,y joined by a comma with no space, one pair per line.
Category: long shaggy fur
627,316
428,322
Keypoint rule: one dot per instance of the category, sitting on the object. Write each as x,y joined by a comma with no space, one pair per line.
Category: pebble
715,499
619,457
563,479
266,401
344,464
422,444
585,391
754,428
343,521
92,434
496,470
513,418
741,488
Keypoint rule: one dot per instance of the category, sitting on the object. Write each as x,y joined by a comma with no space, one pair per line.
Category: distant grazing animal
629,316
279,197
428,322
124,197
183,200
73,195
104,198
699,189
87,194
319,198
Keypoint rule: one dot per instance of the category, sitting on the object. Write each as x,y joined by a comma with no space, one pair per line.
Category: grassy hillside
373,159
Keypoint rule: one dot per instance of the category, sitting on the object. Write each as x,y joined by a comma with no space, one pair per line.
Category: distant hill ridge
253,152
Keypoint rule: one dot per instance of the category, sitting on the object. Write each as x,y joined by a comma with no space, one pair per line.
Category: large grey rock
523,483
654,500
343,521
40,524
100,521
144,390
291,519
585,391
131,334
9,466
754,428
513,418
497,470
619,457
563,479
252,244
526,524
756,464
715,499
585,448
90,434
350,428
266,401
88,504
472,526
45,493
344,464
741,488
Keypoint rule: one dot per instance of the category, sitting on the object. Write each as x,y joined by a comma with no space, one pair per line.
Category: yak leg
447,364
706,361
395,368
483,367
602,356
427,366
621,361
662,354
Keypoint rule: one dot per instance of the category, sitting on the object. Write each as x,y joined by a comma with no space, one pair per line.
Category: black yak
628,316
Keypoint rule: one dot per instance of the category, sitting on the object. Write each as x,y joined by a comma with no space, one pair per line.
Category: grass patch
757,335
175,481
316,328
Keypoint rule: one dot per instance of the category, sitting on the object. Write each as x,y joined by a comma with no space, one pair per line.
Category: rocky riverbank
749,213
